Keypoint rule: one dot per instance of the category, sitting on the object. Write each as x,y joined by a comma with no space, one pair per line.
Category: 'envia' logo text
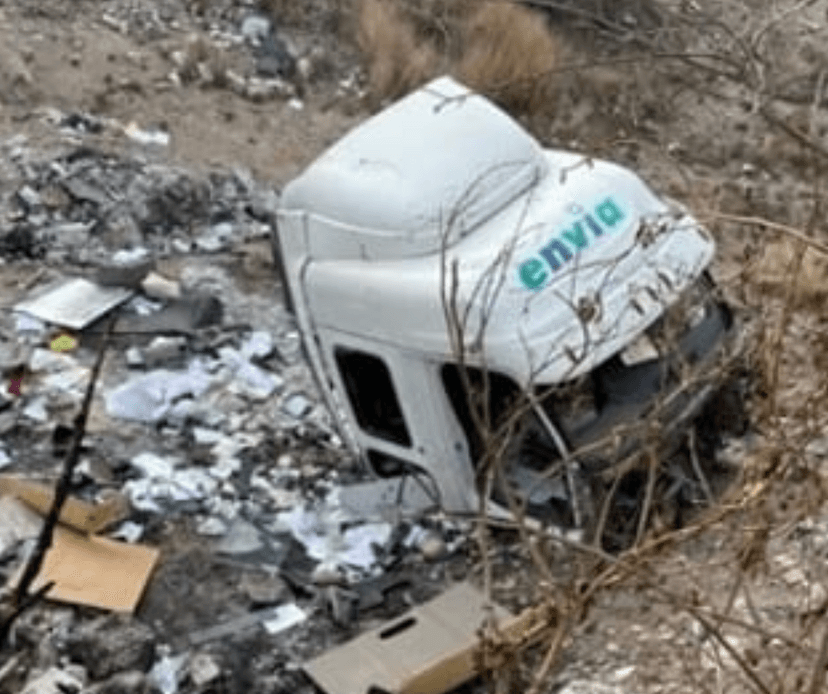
534,272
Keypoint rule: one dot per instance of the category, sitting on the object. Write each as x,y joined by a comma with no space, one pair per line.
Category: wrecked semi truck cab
437,250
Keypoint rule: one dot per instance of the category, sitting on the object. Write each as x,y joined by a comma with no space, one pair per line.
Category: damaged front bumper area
641,401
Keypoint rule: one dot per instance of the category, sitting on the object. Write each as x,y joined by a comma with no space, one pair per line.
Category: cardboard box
429,650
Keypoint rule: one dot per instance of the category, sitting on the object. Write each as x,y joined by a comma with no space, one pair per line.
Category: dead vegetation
501,49
733,598
509,54
396,60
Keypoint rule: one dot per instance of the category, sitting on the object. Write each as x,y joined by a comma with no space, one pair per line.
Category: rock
69,680
255,28
157,287
205,311
264,204
83,191
167,672
126,269
29,197
203,669
432,547
212,527
36,410
818,447
11,356
263,589
343,605
327,575
67,234
128,531
216,238
15,78
297,405
259,344
134,357
152,465
130,682
109,645
164,350
153,137
206,435
241,538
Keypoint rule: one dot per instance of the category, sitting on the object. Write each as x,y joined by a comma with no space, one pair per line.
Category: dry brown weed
396,60
509,54
779,270
500,49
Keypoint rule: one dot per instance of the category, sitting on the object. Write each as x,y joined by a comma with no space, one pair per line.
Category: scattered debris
323,538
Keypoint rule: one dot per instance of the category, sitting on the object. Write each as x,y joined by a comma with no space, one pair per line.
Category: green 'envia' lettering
534,272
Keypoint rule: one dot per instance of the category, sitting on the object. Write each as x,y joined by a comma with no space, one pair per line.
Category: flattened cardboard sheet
96,571
428,650
82,515
86,569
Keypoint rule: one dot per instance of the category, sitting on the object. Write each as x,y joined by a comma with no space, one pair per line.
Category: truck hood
561,278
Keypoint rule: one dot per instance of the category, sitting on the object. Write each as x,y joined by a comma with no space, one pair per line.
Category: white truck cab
438,245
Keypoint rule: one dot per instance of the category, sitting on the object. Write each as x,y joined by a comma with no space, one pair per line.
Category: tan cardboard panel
428,650
96,571
82,515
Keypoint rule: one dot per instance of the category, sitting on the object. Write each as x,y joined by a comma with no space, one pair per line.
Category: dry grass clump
396,60
509,54
785,266
500,49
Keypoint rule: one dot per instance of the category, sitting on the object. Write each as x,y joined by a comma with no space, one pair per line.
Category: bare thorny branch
742,64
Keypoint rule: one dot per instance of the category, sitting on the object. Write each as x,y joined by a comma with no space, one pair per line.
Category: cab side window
372,396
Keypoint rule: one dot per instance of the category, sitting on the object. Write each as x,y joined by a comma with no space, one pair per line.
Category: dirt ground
719,104
75,61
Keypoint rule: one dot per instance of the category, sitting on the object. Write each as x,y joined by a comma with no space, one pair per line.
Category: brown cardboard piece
96,571
86,569
82,515
429,650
